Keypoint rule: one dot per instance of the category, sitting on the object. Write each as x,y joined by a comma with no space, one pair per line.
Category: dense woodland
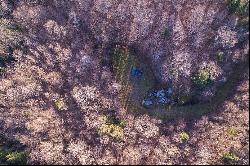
134,82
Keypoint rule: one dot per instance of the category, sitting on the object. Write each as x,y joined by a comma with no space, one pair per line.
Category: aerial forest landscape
124,82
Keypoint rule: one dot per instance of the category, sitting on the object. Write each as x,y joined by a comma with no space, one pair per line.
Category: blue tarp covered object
136,72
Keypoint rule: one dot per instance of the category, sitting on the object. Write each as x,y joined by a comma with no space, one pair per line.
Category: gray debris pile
158,97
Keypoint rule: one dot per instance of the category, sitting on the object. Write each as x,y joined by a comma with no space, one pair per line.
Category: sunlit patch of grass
17,158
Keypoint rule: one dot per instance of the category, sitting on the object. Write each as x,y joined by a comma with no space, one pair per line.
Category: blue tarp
136,72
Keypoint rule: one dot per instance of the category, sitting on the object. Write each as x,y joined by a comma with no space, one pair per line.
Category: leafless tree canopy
59,96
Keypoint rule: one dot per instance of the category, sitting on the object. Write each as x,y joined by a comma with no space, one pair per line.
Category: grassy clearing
133,89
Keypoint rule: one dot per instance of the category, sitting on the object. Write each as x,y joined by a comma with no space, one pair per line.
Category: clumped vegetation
11,35
112,127
166,33
9,154
11,38
230,158
4,60
244,22
240,7
184,136
60,104
220,56
202,78
112,130
232,131
12,157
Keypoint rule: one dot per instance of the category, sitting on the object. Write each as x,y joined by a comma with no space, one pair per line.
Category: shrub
232,131
184,136
202,78
2,61
112,119
12,36
239,7
112,130
220,56
15,27
112,127
60,105
230,157
2,70
244,22
243,8
17,158
166,33
8,157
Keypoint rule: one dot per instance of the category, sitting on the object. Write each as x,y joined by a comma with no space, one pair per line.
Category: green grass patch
2,70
